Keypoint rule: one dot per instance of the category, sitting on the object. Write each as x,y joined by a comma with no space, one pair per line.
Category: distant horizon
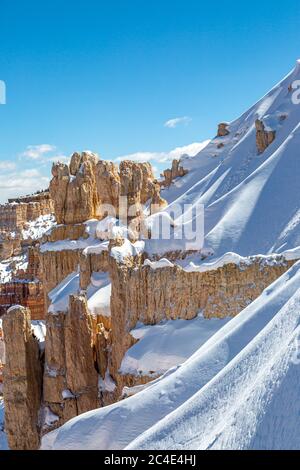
130,81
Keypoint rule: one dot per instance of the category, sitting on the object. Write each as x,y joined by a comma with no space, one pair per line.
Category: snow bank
98,294
59,296
167,344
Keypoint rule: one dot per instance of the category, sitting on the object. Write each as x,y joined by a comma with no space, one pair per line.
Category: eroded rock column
22,380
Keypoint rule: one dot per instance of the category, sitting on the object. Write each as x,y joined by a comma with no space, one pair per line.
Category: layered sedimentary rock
151,295
25,287
263,137
18,212
28,294
89,188
9,246
172,173
22,381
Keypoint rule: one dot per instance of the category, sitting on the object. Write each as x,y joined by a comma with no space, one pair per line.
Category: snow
120,253
106,385
35,229
80,244
39,330
98,294
59,296
62,245
67,394
162,263
238,390
245,212
167,344
49,418
10,266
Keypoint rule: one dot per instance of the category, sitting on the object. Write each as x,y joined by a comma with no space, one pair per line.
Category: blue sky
108,75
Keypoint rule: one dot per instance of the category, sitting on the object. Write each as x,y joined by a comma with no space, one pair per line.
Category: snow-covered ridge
193,263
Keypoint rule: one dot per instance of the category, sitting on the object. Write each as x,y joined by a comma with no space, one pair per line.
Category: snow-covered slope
251,200
229,393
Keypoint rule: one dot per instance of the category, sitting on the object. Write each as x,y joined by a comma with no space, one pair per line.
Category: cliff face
70,379
263,137
91,188
172,173
28,294
22,381
18,212
73,189
146,295
21,222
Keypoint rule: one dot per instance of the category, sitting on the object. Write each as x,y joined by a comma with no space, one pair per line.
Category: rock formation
263,137
74,194
15,214
22,381
108,187
70,377
86,188
223,129
171,174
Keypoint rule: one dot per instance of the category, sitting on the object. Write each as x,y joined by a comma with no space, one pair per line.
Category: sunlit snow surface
167,344
240,389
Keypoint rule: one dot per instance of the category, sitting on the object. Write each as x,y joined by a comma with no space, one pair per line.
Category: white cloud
35,152
171,123
7,166
161,157
59,158
21,182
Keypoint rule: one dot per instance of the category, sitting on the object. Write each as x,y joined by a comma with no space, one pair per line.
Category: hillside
239,390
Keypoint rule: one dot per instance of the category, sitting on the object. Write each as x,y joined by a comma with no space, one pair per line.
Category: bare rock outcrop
137,181
142,294
70,378
172,173
18,212
157,202
9,246
75,195
263,137
22,381
81,375
108,187
89,188
223,129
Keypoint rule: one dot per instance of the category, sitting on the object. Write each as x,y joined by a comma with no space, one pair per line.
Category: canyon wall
18,212
150,295
22,381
